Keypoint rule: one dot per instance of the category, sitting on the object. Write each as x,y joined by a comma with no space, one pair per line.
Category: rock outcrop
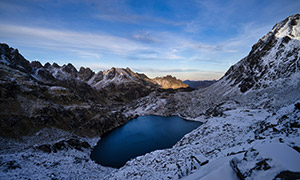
170,82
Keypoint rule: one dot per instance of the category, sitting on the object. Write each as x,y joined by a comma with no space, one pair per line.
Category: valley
53,116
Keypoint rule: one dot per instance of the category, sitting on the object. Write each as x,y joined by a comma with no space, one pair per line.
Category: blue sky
190,39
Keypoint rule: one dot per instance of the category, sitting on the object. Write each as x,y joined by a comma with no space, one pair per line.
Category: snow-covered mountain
100,80
250,131
274,56
34,96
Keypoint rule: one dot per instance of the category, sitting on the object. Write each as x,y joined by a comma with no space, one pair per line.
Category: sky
189,39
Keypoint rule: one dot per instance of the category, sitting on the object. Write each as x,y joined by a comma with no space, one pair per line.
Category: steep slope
169,82
274,56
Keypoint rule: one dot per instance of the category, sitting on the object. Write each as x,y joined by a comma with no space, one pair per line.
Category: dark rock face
11,165
55,65
44,74
70,69
99,76
85,73
16,60
45,148
47,65
288,175
254,68
72,143
36,64
297,106
215,112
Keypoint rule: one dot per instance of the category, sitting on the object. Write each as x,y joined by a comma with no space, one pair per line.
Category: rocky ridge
34,96
170,82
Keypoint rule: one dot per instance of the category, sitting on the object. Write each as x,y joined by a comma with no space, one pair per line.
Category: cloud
125,18
194,26
146,37
121,11
249,34
184,73
64,39
154,70
86,54
136,19
156,55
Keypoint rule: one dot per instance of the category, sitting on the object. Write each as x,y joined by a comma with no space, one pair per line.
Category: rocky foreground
250,131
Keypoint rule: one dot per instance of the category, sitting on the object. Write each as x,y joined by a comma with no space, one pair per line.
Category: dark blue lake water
140,136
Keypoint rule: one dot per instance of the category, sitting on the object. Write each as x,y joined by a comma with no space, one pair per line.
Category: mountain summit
274,56
170,82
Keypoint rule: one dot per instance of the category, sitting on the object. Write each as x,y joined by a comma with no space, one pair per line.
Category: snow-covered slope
274,56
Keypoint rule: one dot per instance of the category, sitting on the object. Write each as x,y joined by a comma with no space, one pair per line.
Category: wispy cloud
146,37
158,70
184,73
86,54
249,34
52,38
109,11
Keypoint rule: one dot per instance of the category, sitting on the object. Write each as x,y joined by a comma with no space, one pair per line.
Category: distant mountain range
32,92
199,84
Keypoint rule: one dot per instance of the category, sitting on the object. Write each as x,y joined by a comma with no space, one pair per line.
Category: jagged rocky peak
289,27
85,73
55,65
274,56
13,58
67,71
36,64
69,68
170,82
121,73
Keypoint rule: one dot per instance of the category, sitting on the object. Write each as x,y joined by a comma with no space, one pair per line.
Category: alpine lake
140,136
